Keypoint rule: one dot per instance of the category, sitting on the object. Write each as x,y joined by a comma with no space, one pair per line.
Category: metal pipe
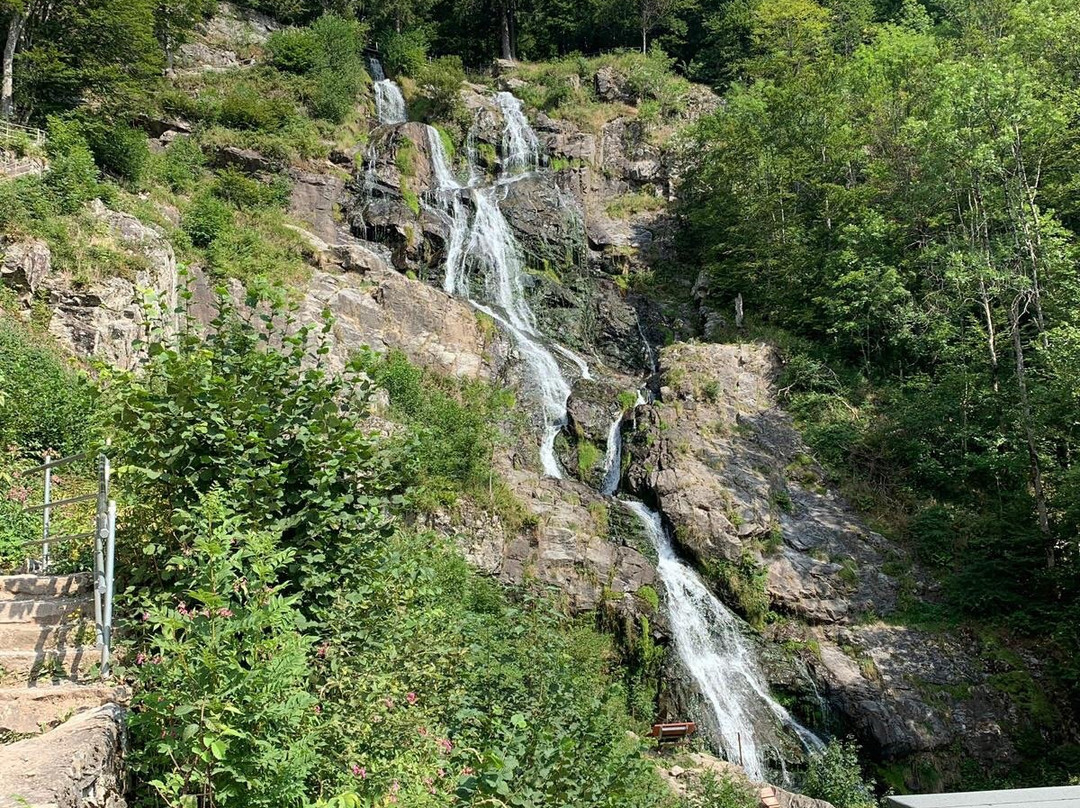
110,557
65,537
56,503
101,533
45,520
51,464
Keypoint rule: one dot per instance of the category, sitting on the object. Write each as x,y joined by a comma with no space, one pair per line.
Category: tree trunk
644,39
1029,432
507,40
7,69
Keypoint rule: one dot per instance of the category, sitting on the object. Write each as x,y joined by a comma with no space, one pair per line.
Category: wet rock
24,265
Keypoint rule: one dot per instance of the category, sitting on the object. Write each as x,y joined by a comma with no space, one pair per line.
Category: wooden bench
669,733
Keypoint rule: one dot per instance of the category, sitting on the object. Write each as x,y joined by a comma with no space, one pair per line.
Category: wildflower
145,616
446,745
430,784
321,653
19,493
359,771
317,708
389,702
423,731
467,770
156,660
223,612
411,698
140,658
442,772
181,607
395,788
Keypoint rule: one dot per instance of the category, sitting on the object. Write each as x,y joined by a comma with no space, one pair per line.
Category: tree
19,12
655,13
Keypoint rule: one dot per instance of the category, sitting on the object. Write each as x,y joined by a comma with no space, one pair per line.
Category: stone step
29,710
46,636
56,665
19,587
45,612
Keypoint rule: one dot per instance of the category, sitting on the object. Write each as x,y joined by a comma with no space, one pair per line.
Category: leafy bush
834,775
180,166
242,191
206,219
404,53
245,109
222,709
120,150
294,50
720,791
439,86
46,404
73,176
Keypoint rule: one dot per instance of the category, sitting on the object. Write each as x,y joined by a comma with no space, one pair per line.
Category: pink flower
19,493
389,702
140,658
321,653
145,616
446,745
411,698
395,788
181,607
359,771
317,708
442,772
223,612
467,770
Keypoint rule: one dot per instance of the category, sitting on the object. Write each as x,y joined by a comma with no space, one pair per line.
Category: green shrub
244,108
294,50
404,53
122,151
206,219
834,775
439,87
712,790
46,404
244,192
222,712
73,176
181,165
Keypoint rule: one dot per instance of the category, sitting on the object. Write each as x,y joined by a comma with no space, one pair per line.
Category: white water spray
520,147
715,653
389,102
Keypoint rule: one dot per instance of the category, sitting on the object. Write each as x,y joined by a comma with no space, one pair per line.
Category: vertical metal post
45,521
101,534
110,557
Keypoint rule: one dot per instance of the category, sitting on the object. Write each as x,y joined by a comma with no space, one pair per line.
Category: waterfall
520,148
715,653
489,245
613,453
389,103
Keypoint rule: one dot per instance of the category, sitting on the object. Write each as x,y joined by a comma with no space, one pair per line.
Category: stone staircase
47,651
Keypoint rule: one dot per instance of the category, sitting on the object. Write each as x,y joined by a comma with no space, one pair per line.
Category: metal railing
103,533
33,134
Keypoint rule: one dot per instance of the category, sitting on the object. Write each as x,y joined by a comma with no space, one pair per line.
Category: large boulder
24,265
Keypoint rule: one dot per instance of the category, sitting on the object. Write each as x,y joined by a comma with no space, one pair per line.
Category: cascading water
389,102
707,635
715,653
520,147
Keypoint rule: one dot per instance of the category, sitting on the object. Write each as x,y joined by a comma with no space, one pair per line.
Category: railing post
101,535
110,561
45,520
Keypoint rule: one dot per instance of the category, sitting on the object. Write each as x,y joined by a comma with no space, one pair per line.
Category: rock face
570,540
104,319
80,763
733,477
225,41
687,770
24,266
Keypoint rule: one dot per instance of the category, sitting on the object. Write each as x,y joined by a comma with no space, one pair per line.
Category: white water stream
710,644
707,634
389,102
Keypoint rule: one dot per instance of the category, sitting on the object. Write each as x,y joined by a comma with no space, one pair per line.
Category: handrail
36,135
104,535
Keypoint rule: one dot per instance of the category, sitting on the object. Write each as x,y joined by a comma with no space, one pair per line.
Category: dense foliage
287,620
897,209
